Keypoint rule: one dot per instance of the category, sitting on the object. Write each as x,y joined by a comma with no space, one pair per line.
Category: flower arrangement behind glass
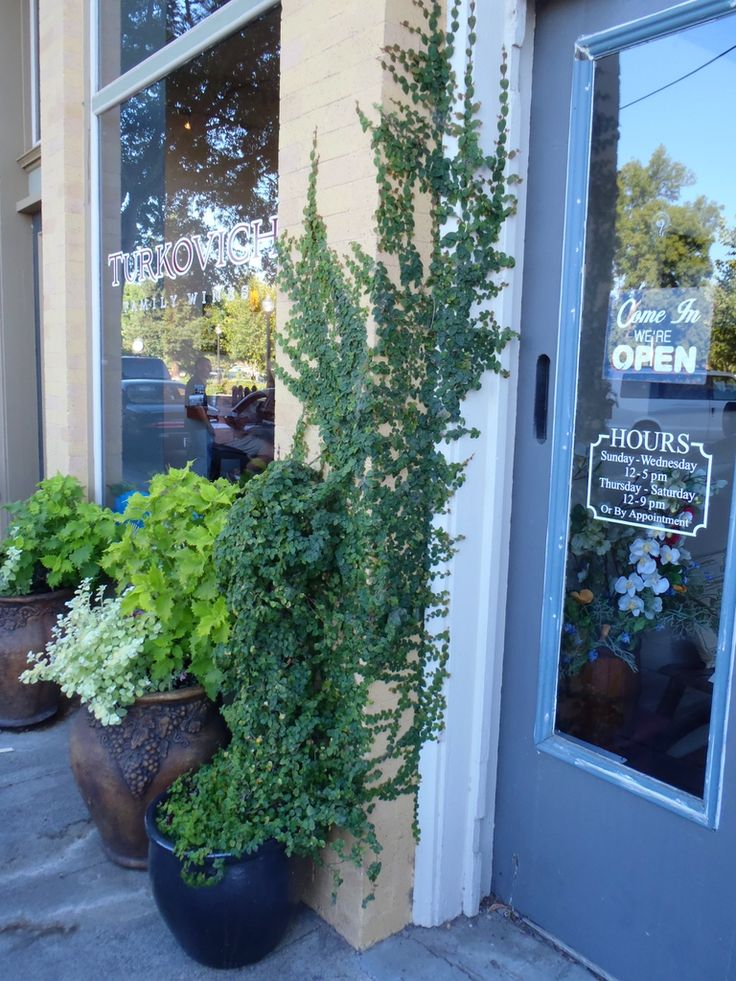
623,580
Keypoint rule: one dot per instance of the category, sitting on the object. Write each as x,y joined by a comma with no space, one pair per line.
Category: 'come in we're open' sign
659,334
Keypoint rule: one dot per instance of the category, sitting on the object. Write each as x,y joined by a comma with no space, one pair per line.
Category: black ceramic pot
234,922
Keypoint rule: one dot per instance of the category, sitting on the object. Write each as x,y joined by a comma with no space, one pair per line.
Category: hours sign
649,480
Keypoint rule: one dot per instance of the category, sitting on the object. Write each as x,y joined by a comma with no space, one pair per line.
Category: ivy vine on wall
334,673
382,353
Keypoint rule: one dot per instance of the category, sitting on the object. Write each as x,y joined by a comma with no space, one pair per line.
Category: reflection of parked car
154,422
651,404
252,408
142,366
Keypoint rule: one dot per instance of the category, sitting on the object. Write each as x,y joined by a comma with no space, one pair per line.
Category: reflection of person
200,431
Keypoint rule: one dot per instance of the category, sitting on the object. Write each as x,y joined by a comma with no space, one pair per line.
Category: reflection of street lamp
218,331
137,345
267,305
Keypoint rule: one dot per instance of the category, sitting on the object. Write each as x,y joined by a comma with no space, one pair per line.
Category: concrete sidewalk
68,914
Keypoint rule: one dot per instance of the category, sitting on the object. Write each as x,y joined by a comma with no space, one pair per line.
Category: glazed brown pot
120,769
25,625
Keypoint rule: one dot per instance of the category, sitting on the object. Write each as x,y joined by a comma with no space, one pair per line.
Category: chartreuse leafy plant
334,574
55,539
163,565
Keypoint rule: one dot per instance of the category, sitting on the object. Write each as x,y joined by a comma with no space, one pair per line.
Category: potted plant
54,540
281,784
140,658
334,667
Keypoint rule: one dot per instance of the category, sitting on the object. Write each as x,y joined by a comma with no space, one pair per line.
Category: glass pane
131,30
655,436
190,184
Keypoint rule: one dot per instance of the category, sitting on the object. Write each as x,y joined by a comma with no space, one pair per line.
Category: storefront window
655,437
189,199
131,30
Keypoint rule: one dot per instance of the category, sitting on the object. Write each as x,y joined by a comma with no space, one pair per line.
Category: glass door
651,485
616,802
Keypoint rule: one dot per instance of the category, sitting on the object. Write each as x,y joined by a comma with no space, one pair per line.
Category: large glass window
655,434
188,222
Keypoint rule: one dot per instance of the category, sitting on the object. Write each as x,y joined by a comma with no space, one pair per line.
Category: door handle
541,398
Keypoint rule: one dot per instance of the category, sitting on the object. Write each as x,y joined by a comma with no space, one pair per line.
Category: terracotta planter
25,625
609,690
120,769
230,923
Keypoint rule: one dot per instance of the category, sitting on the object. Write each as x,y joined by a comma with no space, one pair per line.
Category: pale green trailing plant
95,652
9,570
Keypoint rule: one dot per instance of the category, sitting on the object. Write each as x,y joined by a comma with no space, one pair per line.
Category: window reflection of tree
147,25
203,143
661,240
723,341
594,397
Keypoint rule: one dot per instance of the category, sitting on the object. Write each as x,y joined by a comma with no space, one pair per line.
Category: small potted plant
141,657
220,837
55,539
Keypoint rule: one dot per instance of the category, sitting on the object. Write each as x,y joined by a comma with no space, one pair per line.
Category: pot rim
157,836
188,693
176,696
32,597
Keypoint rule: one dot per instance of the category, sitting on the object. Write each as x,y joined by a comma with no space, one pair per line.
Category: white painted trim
453,859
98,486
34,79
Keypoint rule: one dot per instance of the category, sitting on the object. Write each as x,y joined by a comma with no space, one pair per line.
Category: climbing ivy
333,572
382,353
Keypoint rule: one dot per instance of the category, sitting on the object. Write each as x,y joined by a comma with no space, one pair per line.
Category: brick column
331,59
66,341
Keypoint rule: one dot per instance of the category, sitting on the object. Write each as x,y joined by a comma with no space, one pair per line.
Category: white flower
646,566
658,584
631,604
590,539
654,606
95,652
630,586
669,555
642,551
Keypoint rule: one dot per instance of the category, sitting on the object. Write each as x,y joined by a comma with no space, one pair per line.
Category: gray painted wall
19,467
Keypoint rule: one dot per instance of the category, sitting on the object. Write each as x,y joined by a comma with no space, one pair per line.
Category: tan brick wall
62,45
330,60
